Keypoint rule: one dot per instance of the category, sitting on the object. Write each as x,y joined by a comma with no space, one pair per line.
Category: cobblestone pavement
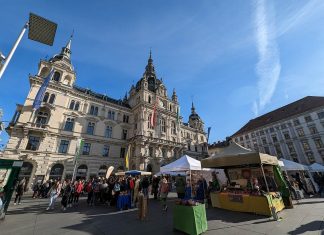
31,218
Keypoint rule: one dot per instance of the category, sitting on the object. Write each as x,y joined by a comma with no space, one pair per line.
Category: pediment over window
72,114
110,123
92,119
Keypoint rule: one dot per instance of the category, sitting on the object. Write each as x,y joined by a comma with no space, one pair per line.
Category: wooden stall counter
247,203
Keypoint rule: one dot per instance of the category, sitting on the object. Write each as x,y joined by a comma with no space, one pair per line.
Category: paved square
32,218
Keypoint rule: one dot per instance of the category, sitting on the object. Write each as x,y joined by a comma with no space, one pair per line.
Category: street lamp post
40,29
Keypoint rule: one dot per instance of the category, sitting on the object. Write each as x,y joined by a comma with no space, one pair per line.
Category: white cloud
268,66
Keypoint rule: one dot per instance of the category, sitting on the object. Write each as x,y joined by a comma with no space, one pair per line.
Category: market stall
316,167
304,173
255,183
189,216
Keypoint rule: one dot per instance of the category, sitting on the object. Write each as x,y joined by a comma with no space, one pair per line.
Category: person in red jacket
78,189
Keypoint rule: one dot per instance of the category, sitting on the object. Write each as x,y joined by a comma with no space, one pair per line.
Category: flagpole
7,60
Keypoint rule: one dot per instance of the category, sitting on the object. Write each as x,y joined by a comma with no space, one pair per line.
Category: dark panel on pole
41,29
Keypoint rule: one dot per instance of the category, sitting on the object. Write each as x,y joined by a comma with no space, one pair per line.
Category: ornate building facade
46,139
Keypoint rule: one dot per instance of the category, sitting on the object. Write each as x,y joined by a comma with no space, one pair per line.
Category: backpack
117,187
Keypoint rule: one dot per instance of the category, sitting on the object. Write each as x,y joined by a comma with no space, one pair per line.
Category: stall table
190,219
247,203
124,201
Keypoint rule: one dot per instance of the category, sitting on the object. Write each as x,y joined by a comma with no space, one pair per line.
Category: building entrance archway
81,172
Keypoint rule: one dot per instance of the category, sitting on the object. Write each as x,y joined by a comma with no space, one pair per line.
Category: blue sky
235,59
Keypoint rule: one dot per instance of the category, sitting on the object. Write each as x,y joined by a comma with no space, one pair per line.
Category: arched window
102,171
174,129
77,105
41,119
90,129
162,123
56,77
81,172
56,171
96,111
149,122
45,99
69,123
72,105
52,99
44,72
149,99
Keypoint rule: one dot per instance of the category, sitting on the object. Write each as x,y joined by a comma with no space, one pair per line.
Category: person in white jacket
53,194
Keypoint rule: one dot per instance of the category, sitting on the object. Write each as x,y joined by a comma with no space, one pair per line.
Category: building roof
300,106
101,96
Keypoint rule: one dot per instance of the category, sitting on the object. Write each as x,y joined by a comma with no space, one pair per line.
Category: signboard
235,198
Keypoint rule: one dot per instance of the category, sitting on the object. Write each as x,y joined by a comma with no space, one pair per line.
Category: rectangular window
308,118
33,143
196,148
63,146
122,152
283,126
105,151
296,122
124,135
125,118
264,141
189,147
310,157
300,132
278,150
312,130
253,135
241,138
271,129
274,138
111,115
318,143
261,132
291,147
86,149
108,132
246,137
320,115
286,135
90,128
305,145
69,123
93,110
266,150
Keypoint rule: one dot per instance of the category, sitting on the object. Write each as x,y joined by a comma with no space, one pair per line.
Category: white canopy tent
292,166
315,167
185,163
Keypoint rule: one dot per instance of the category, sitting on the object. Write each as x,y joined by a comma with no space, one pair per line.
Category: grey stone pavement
31,218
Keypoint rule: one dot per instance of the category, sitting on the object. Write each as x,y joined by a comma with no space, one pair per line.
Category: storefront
255,183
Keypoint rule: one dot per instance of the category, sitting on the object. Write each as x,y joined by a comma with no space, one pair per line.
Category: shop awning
237,155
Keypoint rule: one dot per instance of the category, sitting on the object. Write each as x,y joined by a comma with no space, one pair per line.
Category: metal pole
7,60
264,177
74,170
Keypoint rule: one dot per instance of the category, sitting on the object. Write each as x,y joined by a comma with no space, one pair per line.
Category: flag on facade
78,149
127,157
41,92
153,117
208,133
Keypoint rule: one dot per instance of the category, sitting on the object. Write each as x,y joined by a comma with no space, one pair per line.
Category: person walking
66,194
164,190
145,185
20,191
180,186
77,192
53,193
155,186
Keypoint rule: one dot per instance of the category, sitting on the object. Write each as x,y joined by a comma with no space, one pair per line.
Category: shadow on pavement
312,226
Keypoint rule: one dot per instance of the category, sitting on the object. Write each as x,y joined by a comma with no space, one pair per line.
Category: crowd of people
98,190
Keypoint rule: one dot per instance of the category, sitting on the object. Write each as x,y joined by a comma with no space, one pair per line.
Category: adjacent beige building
46,138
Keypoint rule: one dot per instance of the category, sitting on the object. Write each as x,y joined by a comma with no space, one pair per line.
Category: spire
66,51
174,96
193,110
149,69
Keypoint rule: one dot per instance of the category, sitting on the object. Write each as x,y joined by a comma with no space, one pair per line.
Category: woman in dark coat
20,191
